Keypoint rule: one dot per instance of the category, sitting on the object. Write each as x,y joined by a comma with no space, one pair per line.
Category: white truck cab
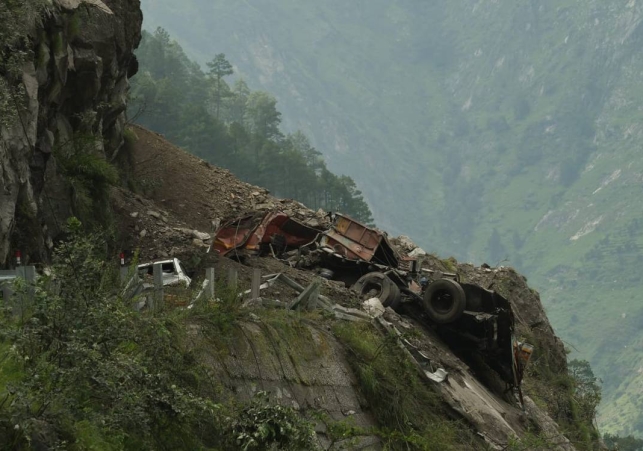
174,273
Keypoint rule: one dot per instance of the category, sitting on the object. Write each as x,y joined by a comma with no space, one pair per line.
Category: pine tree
219,68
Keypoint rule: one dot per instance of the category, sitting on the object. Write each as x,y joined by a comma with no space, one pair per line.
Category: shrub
89,177
95,370
263,425
80,369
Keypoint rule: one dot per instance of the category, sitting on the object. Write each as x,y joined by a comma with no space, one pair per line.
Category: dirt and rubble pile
184,200
152,231
201,194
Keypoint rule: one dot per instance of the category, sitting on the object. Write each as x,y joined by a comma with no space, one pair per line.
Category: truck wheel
444,301
395,297
378,285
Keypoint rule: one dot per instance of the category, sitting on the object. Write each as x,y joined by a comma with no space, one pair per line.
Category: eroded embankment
371,383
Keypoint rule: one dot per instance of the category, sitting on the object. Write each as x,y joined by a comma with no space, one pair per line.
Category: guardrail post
30,274
233,276
255,288
209,275
30,277
158,287
7,292
124,271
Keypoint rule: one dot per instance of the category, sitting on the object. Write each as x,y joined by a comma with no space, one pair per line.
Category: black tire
395,297
384,288
444,301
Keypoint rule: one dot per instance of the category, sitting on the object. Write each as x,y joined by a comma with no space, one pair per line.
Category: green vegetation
233,127
89,176
124,161
264,425
73,27
491,131
82,370
409,411
16,17
569,393
628,443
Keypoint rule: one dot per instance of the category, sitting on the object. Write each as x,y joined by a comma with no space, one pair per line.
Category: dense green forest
233,127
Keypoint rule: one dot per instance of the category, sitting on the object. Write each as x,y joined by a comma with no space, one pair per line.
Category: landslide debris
199,193
184,200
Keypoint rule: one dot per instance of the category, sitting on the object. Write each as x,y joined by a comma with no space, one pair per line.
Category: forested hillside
501,131
233,127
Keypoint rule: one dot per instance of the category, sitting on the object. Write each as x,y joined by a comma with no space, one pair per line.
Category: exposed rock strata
75,81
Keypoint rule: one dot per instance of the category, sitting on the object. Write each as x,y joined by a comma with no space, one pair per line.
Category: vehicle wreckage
470,318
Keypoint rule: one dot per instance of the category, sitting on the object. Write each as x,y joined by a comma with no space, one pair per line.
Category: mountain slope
493,129
104,376
472,393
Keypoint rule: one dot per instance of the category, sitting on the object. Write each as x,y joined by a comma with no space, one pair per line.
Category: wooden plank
273,303
352,311
313,299
304,295
299,288
344,316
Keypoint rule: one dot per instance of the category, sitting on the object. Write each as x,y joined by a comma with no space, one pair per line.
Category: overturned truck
470,318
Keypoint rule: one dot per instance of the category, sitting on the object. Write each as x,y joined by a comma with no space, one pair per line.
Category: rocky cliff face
75,82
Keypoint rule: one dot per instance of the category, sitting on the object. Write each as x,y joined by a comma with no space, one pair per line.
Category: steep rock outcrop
75,82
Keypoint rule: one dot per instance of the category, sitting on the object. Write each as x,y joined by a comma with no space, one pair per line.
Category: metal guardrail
153,296
8,277
154,299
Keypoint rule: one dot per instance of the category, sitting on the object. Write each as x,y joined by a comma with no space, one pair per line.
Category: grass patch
130,136
410,414
450,264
